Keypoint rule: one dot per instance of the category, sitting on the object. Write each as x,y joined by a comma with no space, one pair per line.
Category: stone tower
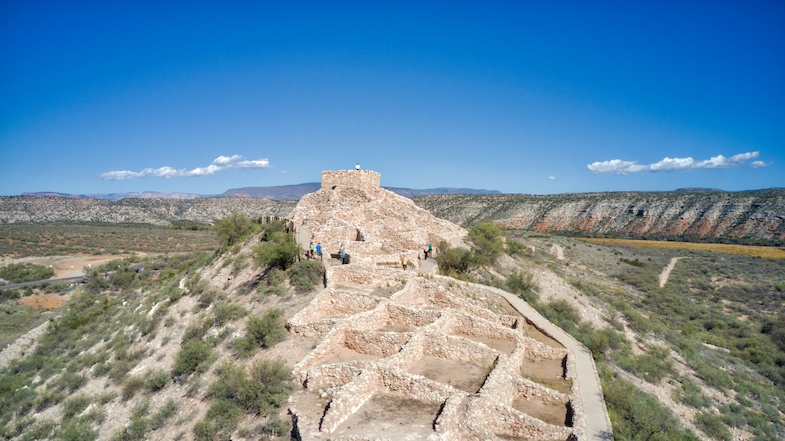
353,212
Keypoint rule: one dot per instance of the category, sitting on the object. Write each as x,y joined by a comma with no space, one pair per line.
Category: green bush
273,282
265,386
131,385
280,251
487,243
226,312
562,313
76,430
25,272
713,426
233,227
194,356
514,248
275,426
636,415
75,405
306,274
244,346
164,413
522,283
652,366
268,329
454,261
157,380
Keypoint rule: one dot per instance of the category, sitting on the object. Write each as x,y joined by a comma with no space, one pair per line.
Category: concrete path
597,420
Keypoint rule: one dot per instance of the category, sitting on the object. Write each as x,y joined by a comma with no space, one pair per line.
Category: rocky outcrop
754,216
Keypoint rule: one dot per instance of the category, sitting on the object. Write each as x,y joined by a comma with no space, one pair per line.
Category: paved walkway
597,421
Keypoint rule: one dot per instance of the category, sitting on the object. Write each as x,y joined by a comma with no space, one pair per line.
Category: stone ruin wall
364,179
377,323
432,333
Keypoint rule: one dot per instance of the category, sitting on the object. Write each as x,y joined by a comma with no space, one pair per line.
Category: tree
280,251
486,239
233,227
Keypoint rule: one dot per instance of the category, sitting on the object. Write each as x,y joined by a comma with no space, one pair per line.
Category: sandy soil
66,266
44,301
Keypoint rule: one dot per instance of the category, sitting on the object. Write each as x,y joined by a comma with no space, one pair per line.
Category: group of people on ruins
314,251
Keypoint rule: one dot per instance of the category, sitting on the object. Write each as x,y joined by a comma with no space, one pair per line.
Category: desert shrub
268,329
487,243
157,380
194,356
39,430
68,382
226,312
75,405
269,385
652,366
21,400
306,274
275,426
454,260
244,346
196,330
122,277
273,282
48,398
233,227
713,426
713,375
635,262
691,395
9,294
514,248
636,415
136,430
25,272
562,313
131,385
164,413
280,251
263,388
77,429
522,283
222,418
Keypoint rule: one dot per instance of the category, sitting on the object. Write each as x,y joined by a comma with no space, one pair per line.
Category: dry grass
747,250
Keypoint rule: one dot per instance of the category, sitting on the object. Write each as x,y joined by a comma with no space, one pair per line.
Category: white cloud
622,167
220,163
552,178
759,164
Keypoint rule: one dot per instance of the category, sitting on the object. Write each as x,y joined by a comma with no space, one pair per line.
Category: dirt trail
667,271
558,251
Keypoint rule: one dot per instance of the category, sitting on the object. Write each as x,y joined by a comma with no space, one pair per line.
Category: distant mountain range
278,193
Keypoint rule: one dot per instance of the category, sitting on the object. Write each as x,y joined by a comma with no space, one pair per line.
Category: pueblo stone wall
410,354
431,344
364,179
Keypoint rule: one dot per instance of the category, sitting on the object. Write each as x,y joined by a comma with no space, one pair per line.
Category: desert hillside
754,217
17,209
750,217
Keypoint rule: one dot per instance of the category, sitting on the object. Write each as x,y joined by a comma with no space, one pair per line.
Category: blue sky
521,97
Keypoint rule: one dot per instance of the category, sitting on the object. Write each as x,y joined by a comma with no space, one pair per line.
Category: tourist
319,250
